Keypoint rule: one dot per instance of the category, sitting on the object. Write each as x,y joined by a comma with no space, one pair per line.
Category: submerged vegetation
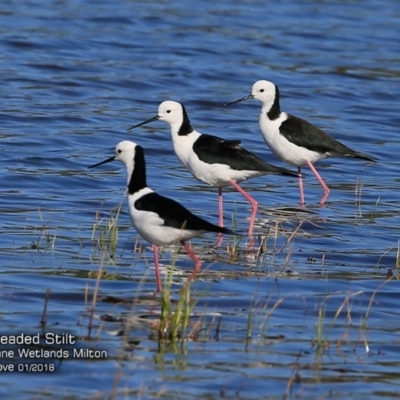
331,324
105,229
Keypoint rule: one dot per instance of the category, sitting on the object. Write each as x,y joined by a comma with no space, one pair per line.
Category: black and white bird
294,140
211,159
159,220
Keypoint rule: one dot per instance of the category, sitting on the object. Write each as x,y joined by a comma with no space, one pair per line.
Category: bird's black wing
174,214
214,150
304,134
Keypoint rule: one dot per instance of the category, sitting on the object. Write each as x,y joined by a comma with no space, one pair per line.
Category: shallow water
76,74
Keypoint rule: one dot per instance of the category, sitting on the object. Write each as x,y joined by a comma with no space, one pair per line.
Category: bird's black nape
137,180
186,127
275,110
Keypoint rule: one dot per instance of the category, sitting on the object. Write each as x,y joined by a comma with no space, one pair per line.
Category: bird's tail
210,227
363,156
224,230
284,171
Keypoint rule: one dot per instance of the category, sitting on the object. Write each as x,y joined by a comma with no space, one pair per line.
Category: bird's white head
174,114
265,91
125,151
171,112
132,155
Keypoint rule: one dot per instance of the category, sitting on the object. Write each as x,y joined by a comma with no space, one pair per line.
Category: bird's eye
119,151
168,111
261,90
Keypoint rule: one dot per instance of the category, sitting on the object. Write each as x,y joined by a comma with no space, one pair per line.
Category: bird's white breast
215,174
151,227
283,148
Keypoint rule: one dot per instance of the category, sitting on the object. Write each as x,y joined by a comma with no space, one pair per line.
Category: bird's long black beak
103,162
250,96
145,122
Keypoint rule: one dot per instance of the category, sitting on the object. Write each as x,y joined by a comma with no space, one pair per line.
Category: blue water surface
76,74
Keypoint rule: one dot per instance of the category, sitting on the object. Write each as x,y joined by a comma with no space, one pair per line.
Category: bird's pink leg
220,208
221,216
301,190
254,206
321,182
158,278
197,262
